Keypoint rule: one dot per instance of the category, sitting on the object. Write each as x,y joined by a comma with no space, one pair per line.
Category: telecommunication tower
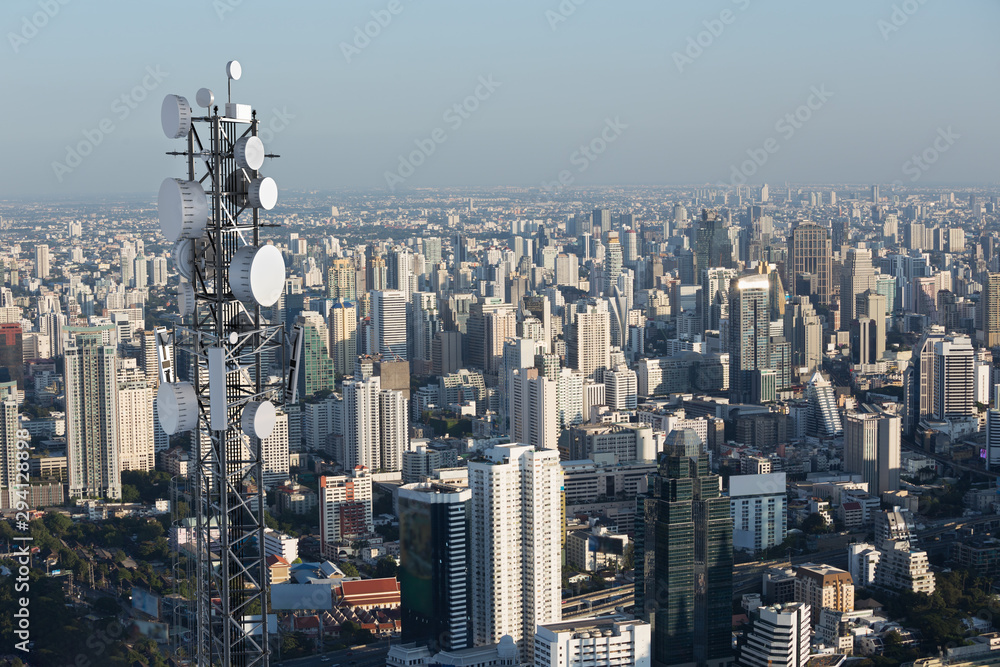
214,384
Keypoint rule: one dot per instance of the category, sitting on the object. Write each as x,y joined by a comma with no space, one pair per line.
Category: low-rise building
609,640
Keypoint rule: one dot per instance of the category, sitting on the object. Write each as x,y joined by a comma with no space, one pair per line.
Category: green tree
349,569
386,567
130,494
815,524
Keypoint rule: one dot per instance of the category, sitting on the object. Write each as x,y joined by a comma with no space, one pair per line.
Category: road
944,460
372,655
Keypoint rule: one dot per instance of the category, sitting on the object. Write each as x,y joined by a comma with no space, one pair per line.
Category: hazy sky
886,80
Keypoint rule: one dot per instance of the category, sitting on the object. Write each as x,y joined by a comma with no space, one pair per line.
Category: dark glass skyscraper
684,560
433,569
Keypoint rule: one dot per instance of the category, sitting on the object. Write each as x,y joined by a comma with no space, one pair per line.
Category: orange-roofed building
370,594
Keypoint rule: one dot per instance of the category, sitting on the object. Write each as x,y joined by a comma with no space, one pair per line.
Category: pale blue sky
891,92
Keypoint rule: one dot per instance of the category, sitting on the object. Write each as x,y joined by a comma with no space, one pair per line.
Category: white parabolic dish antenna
205,98
258,419
263,193
257,274
249,153
177,407
175,116
233,70
183,209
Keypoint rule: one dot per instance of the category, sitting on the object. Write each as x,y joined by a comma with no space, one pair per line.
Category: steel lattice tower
217,389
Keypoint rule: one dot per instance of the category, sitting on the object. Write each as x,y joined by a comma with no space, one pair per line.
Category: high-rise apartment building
989,311
434,565
621,388
533,408
779,636
274,452
394,433
361,424
589,338
345,508
341,281
92,413
516,543
758,506
343,336
684,560
135,418
8,442
824,587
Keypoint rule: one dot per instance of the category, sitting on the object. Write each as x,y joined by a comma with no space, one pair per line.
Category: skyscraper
989,309
341,280
810,251
713,247
872,449
343,336
954,380
389,323
42,261
394,434
516,543
8,441
316,372
612,262
804,331
533,409
684,560
621,388
600,222
857,277
12,351
361,424
92,414
589,338
749,335
874,306
823,416
433,567
135,418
